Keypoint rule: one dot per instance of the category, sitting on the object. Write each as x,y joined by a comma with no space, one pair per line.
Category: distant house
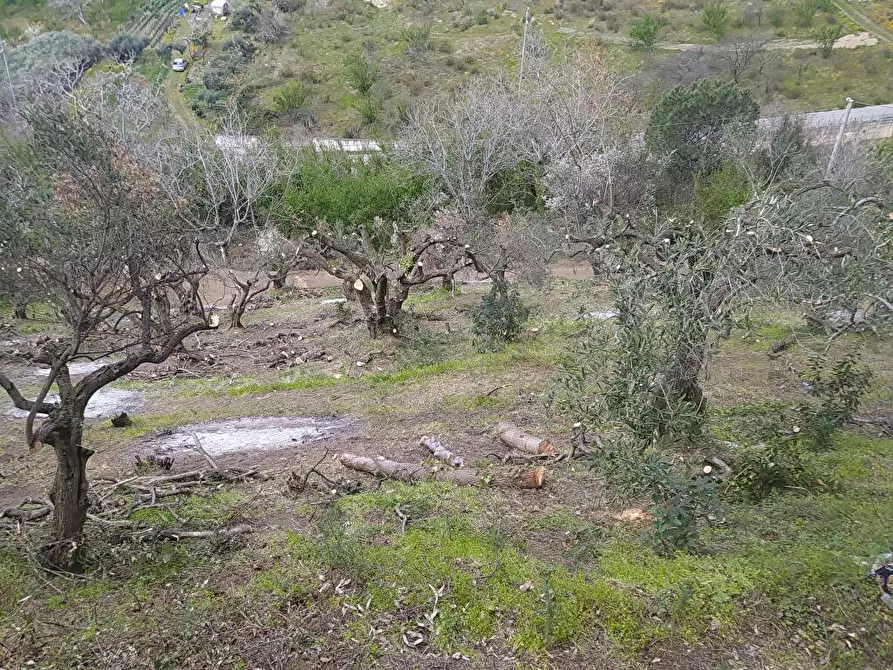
220,7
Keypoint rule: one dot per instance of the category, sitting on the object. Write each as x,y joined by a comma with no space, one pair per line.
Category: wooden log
514,437
777,347
440,452
409,472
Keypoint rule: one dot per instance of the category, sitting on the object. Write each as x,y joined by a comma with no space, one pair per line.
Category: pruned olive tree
106,247
361,224
803,242
234,173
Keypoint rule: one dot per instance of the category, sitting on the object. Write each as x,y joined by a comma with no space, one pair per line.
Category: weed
417,39
500,318
341,551
838,387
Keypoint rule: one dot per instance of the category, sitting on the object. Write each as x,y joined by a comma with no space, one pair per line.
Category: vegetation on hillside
678,316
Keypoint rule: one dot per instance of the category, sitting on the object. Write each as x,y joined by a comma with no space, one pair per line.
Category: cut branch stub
358,285
409,472
514,437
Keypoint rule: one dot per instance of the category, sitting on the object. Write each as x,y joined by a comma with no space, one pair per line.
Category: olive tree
105,247
361,224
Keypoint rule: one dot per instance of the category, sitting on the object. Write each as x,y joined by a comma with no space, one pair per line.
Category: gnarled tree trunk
380,306
70,487
19,307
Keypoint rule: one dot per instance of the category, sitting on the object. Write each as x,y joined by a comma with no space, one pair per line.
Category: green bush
126,47
368,107
500,317
348,194
827,36
362,73
772,466
716,19
804,12
244,19
837,387
51,50
644,31
293,100
417,38
717,193
775,13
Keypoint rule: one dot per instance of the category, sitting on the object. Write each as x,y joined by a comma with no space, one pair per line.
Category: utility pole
12,95
523,47
846,118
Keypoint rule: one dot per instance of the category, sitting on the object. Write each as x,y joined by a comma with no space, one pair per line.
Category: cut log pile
534,448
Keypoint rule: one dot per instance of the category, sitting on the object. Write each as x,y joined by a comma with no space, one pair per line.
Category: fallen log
512,436
409,472
23,514
777,347
440,452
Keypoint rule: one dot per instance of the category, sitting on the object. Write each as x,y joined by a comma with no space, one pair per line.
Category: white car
178,64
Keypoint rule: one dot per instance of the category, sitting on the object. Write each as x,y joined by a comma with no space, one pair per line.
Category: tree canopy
690,123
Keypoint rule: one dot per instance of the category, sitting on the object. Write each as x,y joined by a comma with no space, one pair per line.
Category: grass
762,567
542,578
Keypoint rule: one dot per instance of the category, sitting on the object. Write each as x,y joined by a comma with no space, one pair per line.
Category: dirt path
864,21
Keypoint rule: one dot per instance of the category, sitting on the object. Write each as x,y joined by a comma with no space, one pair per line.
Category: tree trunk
163,312
379,309
188,293
278,279
19,307
69,494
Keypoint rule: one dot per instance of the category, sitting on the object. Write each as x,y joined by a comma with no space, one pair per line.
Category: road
868,122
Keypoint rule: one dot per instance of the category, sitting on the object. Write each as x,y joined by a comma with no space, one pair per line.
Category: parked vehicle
178,64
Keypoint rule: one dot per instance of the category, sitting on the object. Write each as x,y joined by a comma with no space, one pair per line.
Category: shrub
837,387
165,51
643,32
368,107
293,100
804,12
772,466
270,25
417,39
827,36
361,73
679,502
126,47
716,18
244,19
216,79
718,192
239,46
53,49
775,13
289,6
500,317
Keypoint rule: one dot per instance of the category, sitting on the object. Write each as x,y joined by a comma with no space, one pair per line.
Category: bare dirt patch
245,435
106,402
